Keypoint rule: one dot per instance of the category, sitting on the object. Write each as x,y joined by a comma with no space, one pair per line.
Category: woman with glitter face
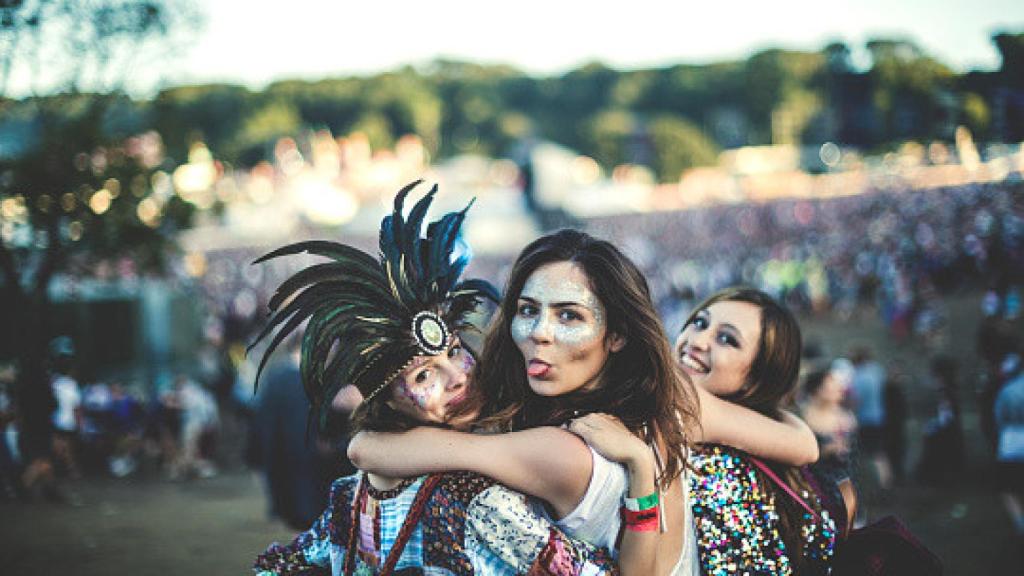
750,516
577,333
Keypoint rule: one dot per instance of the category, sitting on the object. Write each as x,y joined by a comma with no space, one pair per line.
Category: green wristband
640,504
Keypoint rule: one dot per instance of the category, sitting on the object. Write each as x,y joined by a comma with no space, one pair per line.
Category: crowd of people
106,428
897,251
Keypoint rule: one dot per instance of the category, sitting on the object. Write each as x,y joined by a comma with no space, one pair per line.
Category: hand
611,439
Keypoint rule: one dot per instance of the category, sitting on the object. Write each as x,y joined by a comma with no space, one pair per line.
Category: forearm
403,454
638,550
789,440
547,463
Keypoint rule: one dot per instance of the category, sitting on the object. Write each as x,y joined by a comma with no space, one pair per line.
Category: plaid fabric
392,513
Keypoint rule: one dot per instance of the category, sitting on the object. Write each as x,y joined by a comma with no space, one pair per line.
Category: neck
383,482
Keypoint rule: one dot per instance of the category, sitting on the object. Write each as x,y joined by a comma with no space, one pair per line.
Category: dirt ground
147,524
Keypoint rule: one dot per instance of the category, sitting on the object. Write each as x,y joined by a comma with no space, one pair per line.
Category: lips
691,363
537,368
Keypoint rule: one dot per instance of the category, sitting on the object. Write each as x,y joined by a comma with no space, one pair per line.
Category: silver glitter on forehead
547,289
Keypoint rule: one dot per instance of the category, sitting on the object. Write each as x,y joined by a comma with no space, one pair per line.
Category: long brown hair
639,384
770,384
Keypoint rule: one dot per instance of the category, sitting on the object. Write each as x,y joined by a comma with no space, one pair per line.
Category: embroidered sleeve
503,522
309,554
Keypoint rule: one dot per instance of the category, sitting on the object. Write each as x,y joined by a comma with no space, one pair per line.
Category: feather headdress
367,317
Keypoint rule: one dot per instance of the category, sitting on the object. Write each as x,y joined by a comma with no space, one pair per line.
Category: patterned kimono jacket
738,525
469,525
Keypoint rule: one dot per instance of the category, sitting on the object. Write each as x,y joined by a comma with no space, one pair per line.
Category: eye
728,340
569,315
526,309
700,323
422,376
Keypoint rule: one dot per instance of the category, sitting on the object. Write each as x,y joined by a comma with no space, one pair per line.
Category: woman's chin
545,387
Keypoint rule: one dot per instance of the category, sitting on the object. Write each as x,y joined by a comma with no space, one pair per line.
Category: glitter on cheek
521,328
578,335
468,362
421,393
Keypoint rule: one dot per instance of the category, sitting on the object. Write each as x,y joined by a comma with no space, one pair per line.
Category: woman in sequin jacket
742,346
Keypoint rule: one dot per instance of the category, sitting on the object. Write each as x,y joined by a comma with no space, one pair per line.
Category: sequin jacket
470,525
737,525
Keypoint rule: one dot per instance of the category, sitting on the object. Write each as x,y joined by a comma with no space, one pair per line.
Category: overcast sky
254,43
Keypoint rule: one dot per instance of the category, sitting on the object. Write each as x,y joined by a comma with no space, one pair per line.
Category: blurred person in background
126,426
10,485
868,395
199,421
297,469
836,429
943,457
894,428
1009,419
67,416
996,339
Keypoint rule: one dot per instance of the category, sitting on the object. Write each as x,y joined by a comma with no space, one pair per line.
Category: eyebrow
556,304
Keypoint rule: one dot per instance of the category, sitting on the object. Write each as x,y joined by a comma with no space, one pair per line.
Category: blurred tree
780,95
608,133
262,127
1011,50
79,186
975,114
910,91
679,145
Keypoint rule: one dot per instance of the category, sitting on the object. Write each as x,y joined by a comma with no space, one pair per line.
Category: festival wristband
642,521
644,503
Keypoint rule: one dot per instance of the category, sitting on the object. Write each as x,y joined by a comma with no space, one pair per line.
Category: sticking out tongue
537,368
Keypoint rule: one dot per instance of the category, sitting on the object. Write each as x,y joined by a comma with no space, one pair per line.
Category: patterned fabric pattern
737,524
444,521
505,524
314,551
470,525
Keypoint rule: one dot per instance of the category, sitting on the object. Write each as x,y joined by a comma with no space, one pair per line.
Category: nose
456,377
697,339
541,331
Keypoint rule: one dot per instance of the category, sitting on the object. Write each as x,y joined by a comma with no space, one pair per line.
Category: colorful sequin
738,525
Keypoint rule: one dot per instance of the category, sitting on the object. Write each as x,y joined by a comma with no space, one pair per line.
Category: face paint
431,385
546,290
560,329
420,393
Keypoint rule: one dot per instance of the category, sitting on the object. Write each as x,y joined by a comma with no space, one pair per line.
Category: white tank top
596,519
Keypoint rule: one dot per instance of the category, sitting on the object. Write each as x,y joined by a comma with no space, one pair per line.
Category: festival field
147,525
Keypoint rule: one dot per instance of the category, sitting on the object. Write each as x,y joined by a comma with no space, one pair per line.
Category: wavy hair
640,384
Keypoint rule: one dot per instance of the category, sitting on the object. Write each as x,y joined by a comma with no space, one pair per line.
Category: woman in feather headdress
390,327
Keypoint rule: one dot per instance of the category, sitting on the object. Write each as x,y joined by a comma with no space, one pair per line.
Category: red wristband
641,521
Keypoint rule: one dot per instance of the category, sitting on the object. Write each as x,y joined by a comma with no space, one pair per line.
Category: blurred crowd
106,428
896,251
